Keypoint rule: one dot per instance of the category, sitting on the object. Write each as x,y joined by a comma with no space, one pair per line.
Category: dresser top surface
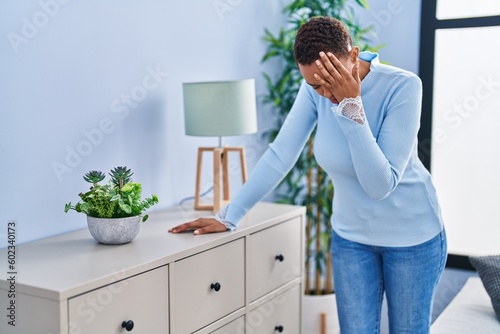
68,264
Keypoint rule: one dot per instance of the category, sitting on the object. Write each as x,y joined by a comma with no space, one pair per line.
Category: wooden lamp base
221,176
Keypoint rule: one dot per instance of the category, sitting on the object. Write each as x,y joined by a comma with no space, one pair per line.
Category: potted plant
307,184
114,210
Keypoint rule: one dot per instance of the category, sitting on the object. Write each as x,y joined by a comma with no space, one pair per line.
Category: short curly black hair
321,33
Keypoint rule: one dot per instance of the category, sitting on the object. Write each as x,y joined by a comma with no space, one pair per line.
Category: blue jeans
408,275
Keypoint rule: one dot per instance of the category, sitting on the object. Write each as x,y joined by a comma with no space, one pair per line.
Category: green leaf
363,3
120,176
125,207
67,207
94,176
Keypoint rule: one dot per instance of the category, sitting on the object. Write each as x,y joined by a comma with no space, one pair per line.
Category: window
459,138
456,9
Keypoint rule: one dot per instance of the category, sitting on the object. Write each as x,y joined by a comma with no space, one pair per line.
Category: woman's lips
333,100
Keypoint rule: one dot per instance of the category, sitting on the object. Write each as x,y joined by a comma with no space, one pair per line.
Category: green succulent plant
120,176
118,198
94,177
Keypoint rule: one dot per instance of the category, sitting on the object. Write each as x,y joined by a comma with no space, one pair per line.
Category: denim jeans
407,275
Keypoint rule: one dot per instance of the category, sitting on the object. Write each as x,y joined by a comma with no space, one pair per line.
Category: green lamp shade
220,108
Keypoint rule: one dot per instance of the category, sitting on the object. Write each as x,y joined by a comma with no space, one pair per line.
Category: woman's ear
353,54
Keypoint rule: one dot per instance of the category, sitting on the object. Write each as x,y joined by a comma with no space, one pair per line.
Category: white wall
69,74
396,24
68,70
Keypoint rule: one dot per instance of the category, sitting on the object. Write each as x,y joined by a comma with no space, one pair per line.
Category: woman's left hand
334,76
200,226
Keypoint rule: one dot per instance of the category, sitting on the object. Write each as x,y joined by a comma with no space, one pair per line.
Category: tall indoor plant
307,184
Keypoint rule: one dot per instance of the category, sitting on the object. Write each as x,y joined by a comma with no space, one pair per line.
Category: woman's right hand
200,226
333,74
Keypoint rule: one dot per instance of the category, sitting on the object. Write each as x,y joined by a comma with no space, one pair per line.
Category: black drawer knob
215,286
278,329
280,257
128,325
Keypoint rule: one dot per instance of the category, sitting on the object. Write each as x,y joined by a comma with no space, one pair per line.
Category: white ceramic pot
114,231
313,307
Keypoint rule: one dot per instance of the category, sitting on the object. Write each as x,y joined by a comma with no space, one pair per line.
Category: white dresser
245,281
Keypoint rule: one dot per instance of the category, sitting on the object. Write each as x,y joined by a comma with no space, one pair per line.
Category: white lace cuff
351,108
220,216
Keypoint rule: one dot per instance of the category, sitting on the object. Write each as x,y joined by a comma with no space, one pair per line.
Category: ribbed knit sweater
384,196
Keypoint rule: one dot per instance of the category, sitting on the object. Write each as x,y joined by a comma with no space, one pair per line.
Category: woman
388,234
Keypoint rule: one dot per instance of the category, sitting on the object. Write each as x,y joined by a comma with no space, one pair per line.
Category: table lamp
217,109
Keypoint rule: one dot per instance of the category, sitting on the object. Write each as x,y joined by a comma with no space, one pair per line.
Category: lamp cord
182,201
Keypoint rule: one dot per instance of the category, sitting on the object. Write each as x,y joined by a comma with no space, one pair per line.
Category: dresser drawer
279,315
274,257
234,327
208,286
141,300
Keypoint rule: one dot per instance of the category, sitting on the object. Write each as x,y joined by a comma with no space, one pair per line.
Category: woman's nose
327,93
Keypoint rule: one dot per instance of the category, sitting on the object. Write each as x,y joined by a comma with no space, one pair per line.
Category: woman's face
308,72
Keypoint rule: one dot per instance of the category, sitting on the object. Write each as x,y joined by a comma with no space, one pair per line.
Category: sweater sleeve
278,159
380,162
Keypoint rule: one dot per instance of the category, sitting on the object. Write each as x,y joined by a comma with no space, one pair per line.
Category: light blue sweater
384,196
